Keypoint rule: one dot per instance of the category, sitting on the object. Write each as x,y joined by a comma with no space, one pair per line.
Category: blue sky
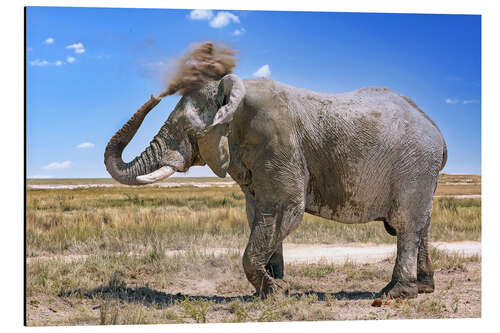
89,69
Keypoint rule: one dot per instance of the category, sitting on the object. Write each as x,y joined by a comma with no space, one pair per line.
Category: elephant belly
355,206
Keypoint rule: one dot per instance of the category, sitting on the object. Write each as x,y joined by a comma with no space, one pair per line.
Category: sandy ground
314,253
337,294
364,254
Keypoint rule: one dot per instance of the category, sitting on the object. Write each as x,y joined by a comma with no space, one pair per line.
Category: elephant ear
214,149
213,142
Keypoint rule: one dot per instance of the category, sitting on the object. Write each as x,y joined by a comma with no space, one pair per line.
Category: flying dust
204,62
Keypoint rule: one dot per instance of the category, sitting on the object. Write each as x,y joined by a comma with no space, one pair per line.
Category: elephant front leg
272,223
275,266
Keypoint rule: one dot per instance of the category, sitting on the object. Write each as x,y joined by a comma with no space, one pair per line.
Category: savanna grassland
130,255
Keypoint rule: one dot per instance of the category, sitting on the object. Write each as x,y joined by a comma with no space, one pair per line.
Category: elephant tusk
155,176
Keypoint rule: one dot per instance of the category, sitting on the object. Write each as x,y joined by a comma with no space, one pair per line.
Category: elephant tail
445,155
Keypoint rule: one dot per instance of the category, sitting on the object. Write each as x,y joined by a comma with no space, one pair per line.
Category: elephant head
194,134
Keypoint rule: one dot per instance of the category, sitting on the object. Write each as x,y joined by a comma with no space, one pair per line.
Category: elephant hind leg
403,282
413,250
411,220
410,216
425,273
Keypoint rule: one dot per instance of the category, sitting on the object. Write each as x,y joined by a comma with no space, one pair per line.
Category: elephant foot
400,289
272,286
425,282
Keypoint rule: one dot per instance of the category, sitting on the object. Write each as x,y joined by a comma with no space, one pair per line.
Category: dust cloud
203,62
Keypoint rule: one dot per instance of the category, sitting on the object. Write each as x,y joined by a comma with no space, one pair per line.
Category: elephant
365,155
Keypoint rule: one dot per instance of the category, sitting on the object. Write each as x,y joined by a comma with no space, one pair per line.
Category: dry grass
90,221
131,219
457,178
450,189
458,185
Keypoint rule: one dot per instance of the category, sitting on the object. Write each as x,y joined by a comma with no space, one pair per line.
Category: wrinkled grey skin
356,157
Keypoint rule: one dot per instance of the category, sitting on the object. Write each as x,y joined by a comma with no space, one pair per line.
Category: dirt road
300,253
314,253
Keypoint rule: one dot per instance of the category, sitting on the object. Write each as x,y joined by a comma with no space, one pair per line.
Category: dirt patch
364,253
314,253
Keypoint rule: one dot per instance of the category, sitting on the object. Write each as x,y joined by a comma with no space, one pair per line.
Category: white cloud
456,101
451,101
78,47
238,32
70,60
201,14
86,145
43,63
75,46
57,165
49,41
38,62
471,101
264,71
222,19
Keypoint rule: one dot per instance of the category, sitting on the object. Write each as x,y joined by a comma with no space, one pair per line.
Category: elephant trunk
145,168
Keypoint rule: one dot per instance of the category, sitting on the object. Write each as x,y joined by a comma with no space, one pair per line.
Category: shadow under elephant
151,297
